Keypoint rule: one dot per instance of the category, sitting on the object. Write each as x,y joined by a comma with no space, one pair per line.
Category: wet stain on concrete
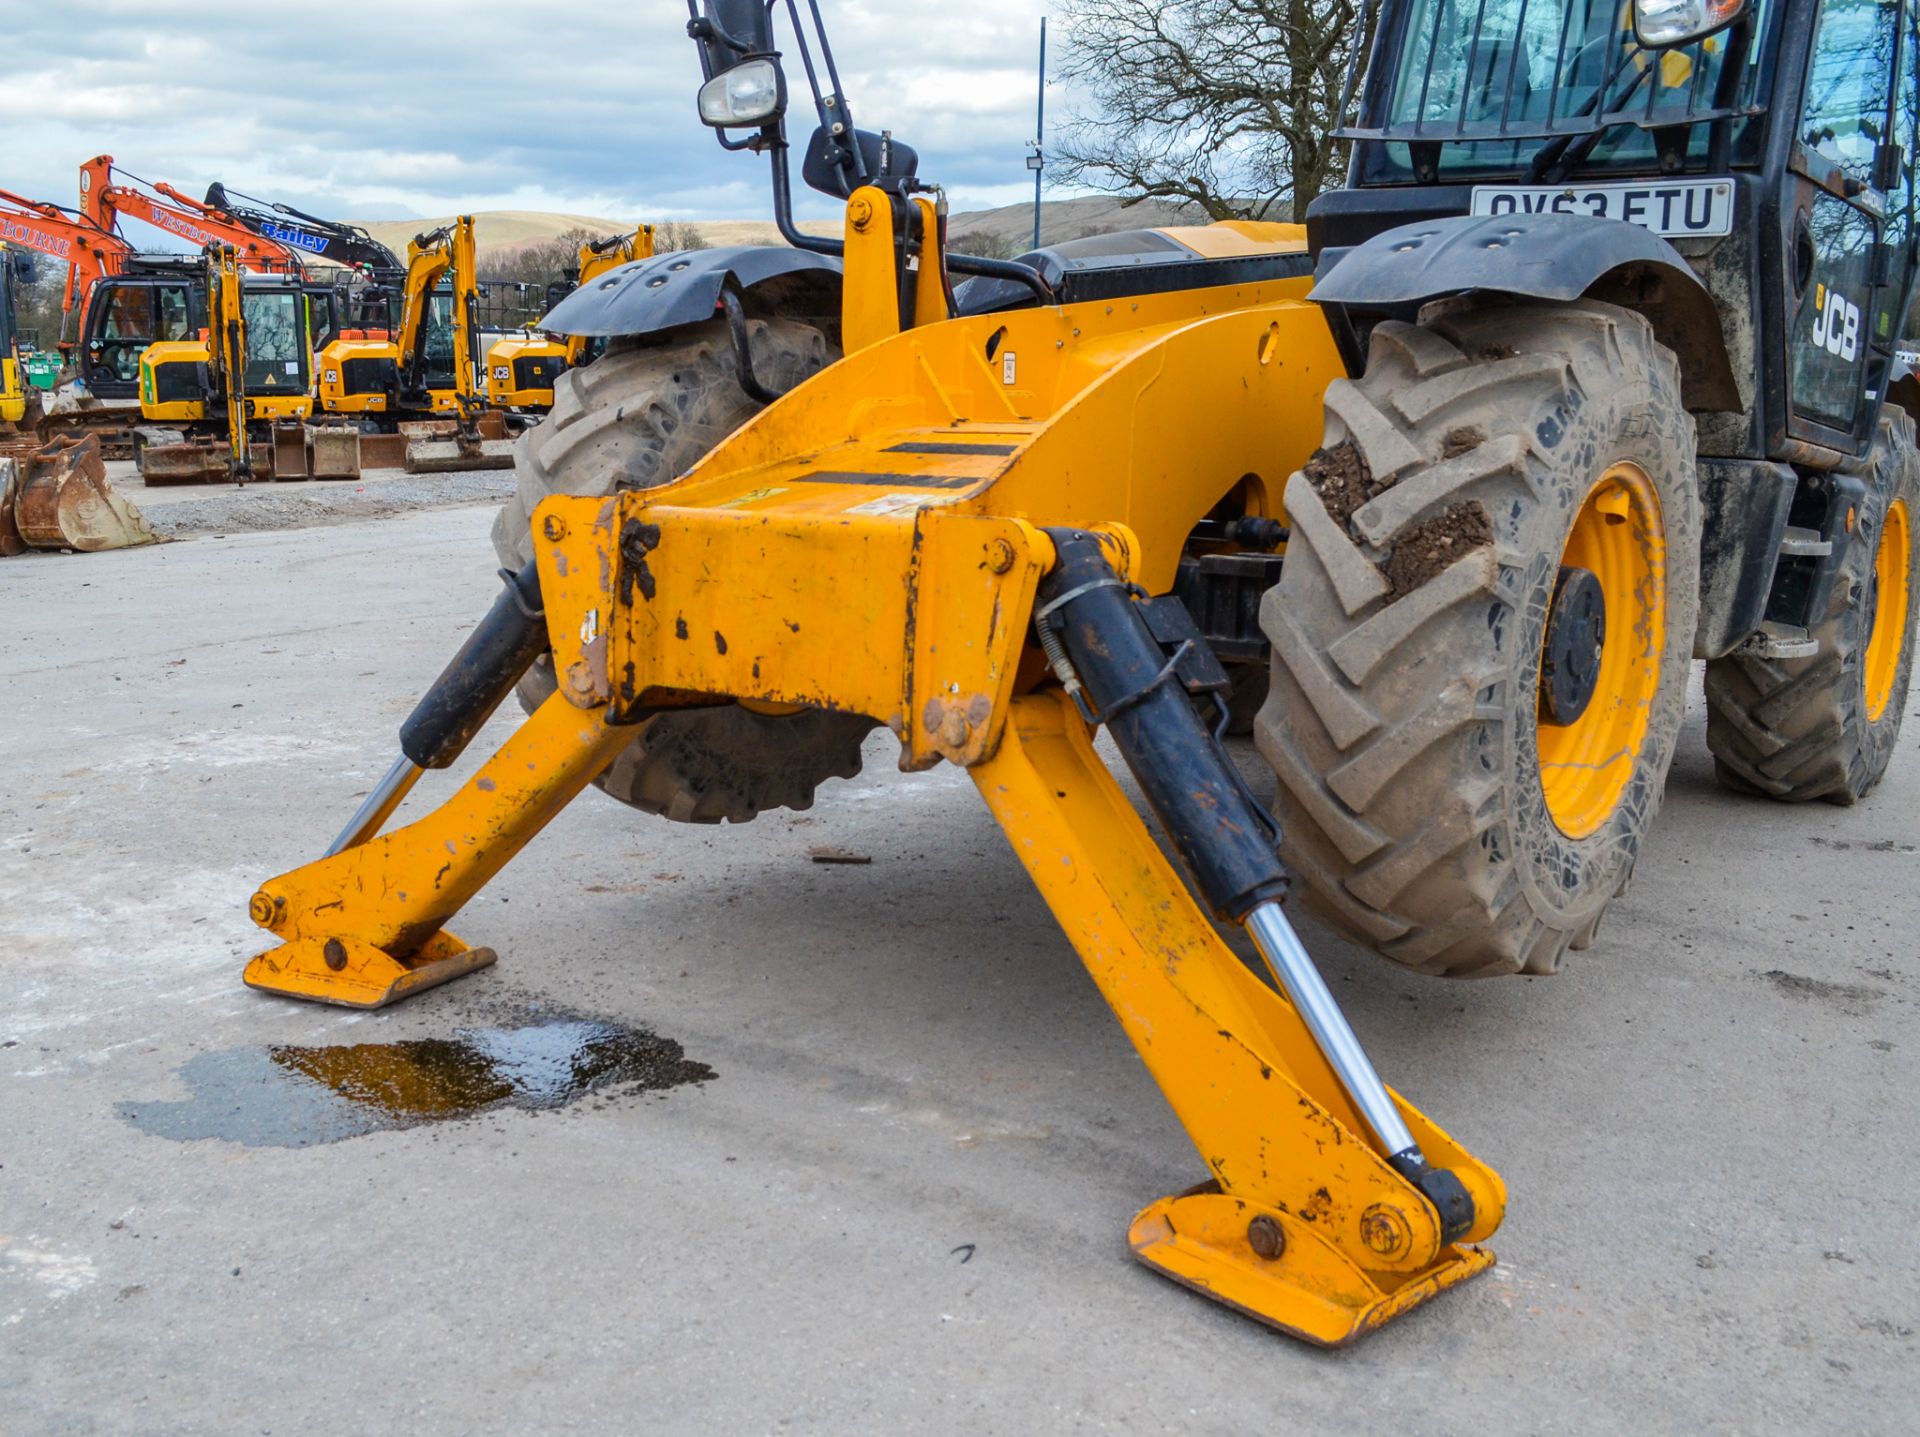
1851,998
296,1097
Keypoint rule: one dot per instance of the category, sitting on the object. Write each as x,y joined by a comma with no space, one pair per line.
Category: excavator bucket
458,452
290,451
63,501
10,541
188,462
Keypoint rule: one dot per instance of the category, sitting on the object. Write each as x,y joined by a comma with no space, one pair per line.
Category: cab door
1851,232
124,316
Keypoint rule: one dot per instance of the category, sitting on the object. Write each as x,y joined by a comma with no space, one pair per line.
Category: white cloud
368,110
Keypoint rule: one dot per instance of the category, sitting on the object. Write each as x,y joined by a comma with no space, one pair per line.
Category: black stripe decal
935,447
890,481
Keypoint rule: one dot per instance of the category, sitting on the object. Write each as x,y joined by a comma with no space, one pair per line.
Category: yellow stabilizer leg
1305,1226
363,927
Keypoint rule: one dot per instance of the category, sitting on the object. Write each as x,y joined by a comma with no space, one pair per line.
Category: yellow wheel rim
1618,537
1888,639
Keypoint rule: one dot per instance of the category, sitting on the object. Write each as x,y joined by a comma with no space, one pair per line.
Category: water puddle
291,1097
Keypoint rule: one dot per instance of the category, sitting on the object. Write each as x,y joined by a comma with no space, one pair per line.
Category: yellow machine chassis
873,542
13,393
502,391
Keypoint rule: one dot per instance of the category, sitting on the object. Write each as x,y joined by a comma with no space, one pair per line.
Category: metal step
1804,544
1780,641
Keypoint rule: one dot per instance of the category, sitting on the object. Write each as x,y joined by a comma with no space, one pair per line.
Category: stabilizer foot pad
355,974
1201,1240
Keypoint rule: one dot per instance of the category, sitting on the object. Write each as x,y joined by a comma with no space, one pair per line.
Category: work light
751,93
1660,24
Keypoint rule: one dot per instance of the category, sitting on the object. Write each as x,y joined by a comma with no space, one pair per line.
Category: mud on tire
641,415
1407,629
1800,729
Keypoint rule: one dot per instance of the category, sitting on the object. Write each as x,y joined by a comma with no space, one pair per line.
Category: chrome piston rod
498,651
379,805
1300,980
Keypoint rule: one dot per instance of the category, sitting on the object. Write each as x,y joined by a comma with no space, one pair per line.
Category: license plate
1674,208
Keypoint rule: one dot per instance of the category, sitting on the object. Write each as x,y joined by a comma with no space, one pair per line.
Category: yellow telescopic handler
1456,500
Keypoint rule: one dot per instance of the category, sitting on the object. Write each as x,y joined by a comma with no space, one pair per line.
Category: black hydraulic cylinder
489,664
1221,834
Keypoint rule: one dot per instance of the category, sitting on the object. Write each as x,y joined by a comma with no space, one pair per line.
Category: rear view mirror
830,167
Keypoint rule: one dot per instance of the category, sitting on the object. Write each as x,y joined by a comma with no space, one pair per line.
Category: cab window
1845,114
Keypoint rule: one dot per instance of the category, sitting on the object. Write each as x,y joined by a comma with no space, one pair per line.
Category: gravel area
259,508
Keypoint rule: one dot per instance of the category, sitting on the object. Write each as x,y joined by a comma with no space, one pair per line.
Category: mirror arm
1732,66
783,201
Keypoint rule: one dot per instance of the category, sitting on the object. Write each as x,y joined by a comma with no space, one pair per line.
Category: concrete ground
899,1202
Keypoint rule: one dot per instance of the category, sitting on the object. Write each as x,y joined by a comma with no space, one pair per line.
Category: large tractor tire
638,417
1482,631
1825,726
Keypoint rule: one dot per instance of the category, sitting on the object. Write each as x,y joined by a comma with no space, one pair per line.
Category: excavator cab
158,302
522,369
248,368
279,359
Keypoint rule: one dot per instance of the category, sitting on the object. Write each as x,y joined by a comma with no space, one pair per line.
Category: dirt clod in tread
1400,724
1421,552
1341,478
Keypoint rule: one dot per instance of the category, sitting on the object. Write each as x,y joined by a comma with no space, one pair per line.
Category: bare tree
1226,104
37,299
537,262
677,235
983,244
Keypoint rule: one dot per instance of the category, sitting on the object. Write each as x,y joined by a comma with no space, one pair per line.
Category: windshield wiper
1563,154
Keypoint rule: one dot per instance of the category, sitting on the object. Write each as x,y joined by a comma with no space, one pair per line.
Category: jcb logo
1836,322
500,371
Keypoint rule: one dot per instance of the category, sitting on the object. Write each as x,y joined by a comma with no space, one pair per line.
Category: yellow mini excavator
1470,465
522,369
250,367
421,367
422,372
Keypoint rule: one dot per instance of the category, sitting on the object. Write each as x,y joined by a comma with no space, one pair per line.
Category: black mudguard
1544,256
684,286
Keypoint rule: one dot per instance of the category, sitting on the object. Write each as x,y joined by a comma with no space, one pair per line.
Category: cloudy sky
404,108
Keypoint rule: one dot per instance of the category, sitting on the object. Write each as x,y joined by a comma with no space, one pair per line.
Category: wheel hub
1575,639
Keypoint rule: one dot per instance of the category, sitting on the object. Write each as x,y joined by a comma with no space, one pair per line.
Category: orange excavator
105,199
91,251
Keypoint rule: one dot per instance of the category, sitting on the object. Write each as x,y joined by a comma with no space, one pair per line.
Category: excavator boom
105,201
91,252
443,254
340,243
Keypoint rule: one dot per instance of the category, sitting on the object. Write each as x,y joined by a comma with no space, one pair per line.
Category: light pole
1037,161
